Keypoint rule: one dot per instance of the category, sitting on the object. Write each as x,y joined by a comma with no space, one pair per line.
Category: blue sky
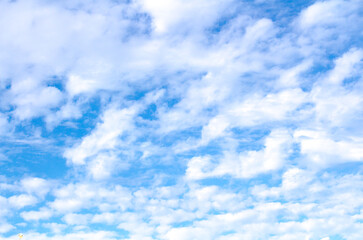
181,119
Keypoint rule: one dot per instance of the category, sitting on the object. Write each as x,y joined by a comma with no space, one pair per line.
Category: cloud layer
176,119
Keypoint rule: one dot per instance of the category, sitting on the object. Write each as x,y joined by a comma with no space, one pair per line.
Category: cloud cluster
176,119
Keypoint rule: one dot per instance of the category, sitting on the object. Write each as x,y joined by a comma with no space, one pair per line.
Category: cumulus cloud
176,119
37,215
37,186
180,16
246,164
323,150
105,137
5,227
22,200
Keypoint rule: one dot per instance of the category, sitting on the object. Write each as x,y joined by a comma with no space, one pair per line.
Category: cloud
114,123
37,186
327,13
246,164
346,66
37,215
22,200
72,198
33,101
76,219
181,16
5,227
179,119
97,235
323,150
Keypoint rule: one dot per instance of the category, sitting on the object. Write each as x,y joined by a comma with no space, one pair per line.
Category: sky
181,119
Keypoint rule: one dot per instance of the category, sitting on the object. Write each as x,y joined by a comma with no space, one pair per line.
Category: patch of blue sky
221,23
31,160
280,11
294,154
309,78
250,138
183,224
141,175
57,81
37,151
141,26
80,127
270,179
352,83
31,127
176,136
172,102
224,182
137,94
345,168
228,232
336,45
213,148
150,113
336,237
5,84
255,82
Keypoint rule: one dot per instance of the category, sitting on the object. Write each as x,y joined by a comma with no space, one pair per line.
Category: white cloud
80,235
55,227
246,164
346,66
253,111
42,214
5,210
66,112
199,168
34,100
77,85
5,227
188,233
68,204
295,178
323,150
272,107
327,13
105,137
137,228
337,103
77,219
328,25
336,107
72,198
291,77
271,158
173,16
102,166
215,128
37,186
22,200
217,76
106,217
